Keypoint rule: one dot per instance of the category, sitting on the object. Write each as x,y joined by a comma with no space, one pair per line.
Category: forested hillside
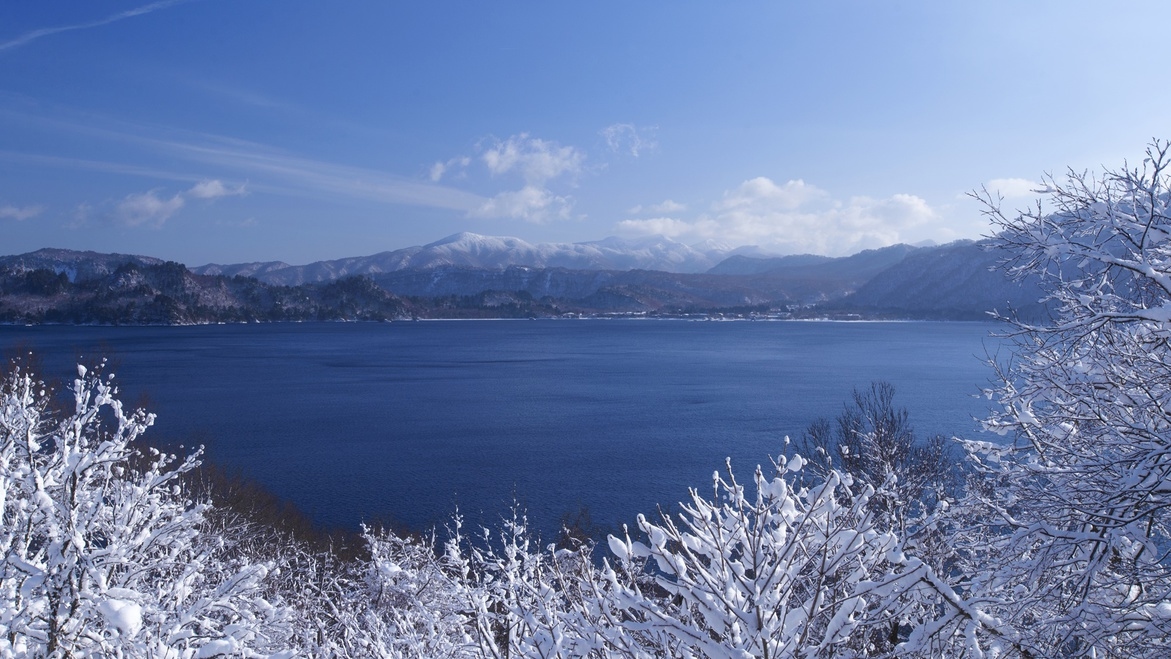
959,281
135,292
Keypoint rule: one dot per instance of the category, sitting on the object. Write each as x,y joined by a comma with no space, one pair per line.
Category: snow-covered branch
103,553
1074,515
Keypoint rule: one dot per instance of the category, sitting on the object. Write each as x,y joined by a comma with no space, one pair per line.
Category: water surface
403,421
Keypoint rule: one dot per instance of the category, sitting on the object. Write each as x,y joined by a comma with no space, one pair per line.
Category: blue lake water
403,421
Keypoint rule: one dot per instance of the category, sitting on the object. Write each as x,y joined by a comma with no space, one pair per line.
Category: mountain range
470,250
468,275
739,281
955,281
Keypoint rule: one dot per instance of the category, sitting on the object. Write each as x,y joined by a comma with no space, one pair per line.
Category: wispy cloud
298,175
459,164
794,217
272,170
271,105
20,213
214,189
629,139
29,37
39,160
146,209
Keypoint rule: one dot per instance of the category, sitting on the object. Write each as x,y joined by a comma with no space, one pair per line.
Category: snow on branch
1074,516
103,550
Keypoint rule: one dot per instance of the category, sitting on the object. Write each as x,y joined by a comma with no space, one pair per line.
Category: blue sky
299,130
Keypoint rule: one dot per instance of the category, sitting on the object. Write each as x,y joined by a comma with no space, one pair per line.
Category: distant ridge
856,268
88,288
74,264
471,250
741,264
956,281
468,275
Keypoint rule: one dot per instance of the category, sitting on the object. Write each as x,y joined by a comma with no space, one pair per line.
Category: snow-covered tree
525,600
414,605
1068,540
788,572
791,571
872,440
103,554
914,480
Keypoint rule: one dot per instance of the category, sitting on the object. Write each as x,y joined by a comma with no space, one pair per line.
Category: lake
404,421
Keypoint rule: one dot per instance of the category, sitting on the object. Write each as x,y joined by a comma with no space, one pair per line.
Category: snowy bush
528,601
789,571
874,442
786,572
414,606
102,550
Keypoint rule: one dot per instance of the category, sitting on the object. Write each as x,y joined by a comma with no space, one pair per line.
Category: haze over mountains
468,275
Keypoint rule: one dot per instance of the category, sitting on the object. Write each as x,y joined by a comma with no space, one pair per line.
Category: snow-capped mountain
470,250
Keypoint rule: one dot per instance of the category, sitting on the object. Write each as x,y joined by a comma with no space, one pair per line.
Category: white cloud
20,213
440,168
794,218
538,161
761,194
627,138
531,203
214,189
1013,187
146,208
150,208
